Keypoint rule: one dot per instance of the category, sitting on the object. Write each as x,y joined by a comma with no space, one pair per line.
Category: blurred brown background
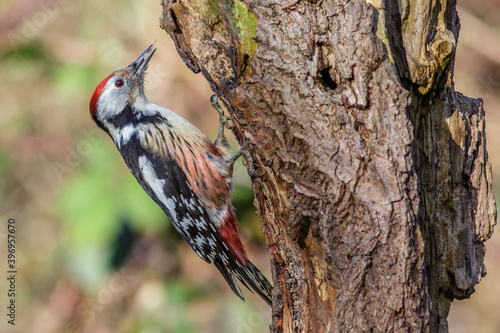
94,253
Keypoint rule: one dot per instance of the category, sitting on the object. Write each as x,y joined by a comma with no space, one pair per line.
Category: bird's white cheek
111,102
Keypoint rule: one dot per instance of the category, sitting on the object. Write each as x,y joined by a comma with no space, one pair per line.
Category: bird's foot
244,152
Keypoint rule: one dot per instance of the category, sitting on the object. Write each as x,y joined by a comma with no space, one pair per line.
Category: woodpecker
186,174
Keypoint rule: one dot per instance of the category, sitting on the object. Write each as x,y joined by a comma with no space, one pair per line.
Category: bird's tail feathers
249,276
229,277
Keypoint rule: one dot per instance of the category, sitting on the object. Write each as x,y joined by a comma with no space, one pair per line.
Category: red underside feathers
229,234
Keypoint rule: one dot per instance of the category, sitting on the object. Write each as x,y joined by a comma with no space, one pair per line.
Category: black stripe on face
100,124
129,116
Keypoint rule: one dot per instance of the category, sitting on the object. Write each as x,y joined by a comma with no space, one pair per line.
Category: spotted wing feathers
165,181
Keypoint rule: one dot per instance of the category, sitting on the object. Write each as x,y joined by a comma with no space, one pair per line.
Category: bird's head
122,88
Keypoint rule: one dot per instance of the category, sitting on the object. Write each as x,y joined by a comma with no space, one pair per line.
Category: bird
186,175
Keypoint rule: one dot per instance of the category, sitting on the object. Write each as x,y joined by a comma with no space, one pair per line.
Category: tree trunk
376,199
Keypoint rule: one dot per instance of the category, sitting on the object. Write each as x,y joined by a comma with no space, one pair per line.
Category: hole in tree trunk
326,80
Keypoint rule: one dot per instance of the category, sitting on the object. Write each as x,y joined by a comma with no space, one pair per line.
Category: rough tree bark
376,199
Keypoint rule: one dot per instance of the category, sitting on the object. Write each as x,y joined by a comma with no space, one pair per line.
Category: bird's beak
141,64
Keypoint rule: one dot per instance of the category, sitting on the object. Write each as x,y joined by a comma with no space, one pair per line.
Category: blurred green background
94,253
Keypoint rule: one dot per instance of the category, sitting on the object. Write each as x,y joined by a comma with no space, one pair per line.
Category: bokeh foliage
95,253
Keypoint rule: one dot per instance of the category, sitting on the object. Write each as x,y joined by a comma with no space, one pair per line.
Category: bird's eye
119,83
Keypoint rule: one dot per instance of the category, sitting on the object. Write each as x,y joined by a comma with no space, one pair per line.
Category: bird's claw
224,123
244,152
